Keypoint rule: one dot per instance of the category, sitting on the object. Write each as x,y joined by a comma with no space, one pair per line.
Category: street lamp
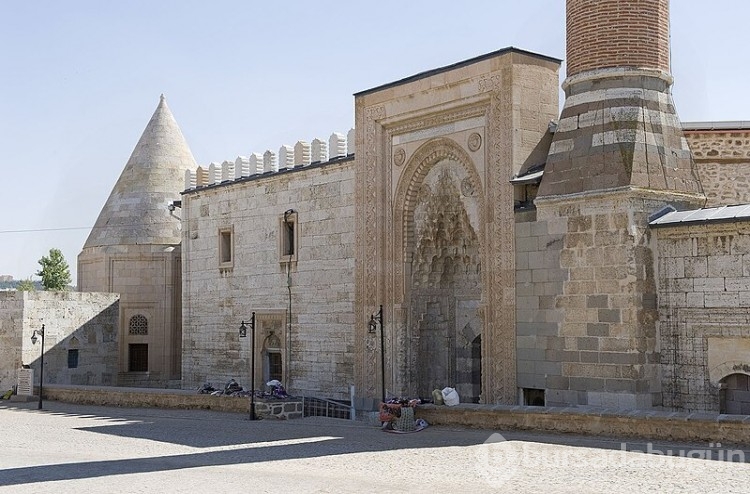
243,334
375,320
34,339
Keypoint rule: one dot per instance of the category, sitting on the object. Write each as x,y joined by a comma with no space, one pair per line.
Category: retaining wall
649,425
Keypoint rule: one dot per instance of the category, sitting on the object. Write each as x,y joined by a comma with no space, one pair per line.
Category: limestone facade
515,259
81,337
434,221
303,301
425,209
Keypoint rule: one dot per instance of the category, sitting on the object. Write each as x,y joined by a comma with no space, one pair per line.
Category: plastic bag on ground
450,397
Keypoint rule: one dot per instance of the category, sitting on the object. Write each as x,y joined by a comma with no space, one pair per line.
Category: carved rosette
474,142
399,156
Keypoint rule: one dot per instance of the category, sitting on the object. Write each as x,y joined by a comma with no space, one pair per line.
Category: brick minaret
618,156
618,127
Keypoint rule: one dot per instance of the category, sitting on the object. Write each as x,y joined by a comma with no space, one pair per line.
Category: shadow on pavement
230,439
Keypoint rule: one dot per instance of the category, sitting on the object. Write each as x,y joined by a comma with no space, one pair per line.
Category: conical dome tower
136,211
134,250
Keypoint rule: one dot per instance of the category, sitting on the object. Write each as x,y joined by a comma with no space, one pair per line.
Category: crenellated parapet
288,157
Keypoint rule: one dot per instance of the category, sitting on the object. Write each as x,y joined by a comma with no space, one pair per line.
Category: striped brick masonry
616,33
619,126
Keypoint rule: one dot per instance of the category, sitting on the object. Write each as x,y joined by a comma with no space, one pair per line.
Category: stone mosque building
593,256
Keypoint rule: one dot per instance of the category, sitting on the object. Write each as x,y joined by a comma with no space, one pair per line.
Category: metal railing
320,407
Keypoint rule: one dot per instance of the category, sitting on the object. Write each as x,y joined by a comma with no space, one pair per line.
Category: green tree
26,286
55,271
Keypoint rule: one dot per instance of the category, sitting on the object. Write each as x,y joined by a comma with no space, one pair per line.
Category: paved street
78,449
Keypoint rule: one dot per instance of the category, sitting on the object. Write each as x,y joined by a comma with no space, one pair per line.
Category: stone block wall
601,324
704,311
539,282
722,158
147,277
82,323
312,330
11,335
279,409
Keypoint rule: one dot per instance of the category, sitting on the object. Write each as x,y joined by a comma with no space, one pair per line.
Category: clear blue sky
79,80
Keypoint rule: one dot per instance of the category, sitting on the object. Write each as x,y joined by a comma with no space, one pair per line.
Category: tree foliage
55,271
26,286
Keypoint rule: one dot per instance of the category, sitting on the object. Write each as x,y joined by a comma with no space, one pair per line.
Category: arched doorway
734,394
445,283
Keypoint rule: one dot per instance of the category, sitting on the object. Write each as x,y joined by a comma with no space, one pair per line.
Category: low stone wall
279,409
163,398
649,425
145,398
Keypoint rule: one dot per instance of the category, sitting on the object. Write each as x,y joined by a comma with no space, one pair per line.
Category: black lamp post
243,334
376,319
34,339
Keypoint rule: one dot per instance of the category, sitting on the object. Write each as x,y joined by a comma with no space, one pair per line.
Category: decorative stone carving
302,153
256,163
286,156
201,177
319,150
241,167
474,142
269,162
467,188
399,156
190,179
214,173
350,140
227,171
337,145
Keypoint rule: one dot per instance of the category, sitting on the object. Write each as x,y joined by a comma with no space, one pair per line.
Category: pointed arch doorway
441,224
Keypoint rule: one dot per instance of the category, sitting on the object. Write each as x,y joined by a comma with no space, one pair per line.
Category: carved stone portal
445,286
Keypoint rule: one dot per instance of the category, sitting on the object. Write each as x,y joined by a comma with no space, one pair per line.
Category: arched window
138,325
734,394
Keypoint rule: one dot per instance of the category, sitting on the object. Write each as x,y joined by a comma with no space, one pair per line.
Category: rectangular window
275,370
72,359
288,236
138,357
226,247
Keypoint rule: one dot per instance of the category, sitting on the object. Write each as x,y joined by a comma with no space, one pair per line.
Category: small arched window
138,325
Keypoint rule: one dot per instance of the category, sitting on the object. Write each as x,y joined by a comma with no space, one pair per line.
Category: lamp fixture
34,339
376,320
243,334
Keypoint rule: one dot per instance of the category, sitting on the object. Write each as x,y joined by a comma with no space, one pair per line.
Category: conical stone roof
136,211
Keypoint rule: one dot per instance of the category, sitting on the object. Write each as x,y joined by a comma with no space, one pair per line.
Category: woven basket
405,422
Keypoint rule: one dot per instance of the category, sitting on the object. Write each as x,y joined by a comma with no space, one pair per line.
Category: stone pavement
68,448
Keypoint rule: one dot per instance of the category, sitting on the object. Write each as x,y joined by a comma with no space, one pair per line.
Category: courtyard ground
68,448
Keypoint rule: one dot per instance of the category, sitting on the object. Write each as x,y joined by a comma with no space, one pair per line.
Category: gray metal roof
740,212
528,178
727,125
